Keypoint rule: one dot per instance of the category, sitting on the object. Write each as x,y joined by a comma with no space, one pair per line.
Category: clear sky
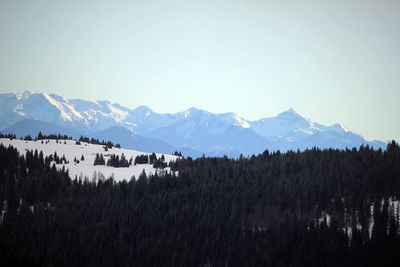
333,61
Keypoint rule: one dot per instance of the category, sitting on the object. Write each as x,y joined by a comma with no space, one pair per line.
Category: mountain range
193,132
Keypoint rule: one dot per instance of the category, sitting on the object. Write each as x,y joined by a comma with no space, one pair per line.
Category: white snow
3,211
18,109
325,216
86,167
72,110
118,114
25,94
288,123
63,114
239,121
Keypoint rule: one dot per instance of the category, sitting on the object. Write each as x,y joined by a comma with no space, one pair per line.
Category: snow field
86,168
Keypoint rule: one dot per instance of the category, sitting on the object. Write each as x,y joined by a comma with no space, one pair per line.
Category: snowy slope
86,167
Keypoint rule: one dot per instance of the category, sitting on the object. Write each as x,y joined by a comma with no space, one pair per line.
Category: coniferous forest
312,208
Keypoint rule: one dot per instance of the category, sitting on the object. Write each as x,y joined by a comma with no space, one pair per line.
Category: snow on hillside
86,167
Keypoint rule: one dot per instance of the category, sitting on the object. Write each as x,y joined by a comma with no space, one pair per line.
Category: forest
311,208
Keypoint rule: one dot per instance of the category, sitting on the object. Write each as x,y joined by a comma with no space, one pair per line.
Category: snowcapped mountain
193,131
79,114
294,131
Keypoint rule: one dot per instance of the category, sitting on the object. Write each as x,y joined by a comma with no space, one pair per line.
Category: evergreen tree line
160,163
142,159
117,161
41,136
94,141
312,208
10,136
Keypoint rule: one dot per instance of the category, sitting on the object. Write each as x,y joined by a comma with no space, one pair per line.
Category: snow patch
18,109
3,211
24,95
239,121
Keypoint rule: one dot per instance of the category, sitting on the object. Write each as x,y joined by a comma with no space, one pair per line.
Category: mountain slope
128,140
33,127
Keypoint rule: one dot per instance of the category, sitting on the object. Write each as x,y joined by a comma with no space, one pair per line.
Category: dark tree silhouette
313,208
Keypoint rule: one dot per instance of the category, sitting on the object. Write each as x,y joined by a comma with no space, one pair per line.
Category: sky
333,61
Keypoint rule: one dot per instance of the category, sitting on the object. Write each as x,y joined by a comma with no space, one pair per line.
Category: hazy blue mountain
129,140
33,127
194,130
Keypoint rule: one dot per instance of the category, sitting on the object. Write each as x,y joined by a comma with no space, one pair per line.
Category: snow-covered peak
194,110
291,114
287,123
190,128
25,94
193,113
143,110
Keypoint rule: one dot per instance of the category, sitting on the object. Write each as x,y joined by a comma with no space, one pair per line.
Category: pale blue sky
334,61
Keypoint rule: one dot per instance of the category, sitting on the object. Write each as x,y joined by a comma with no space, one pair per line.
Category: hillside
86,168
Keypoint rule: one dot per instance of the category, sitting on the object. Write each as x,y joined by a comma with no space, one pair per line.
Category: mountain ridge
194,129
